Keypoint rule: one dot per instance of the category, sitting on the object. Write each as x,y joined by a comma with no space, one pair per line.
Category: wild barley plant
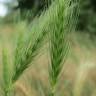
54,23
61,24
60,27
27,48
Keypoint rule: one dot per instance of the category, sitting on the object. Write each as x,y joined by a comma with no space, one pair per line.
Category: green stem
7,93
52,90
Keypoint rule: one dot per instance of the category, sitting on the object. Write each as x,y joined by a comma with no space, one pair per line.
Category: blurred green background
79,73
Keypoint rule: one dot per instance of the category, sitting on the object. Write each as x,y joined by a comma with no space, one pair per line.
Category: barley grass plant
61,25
